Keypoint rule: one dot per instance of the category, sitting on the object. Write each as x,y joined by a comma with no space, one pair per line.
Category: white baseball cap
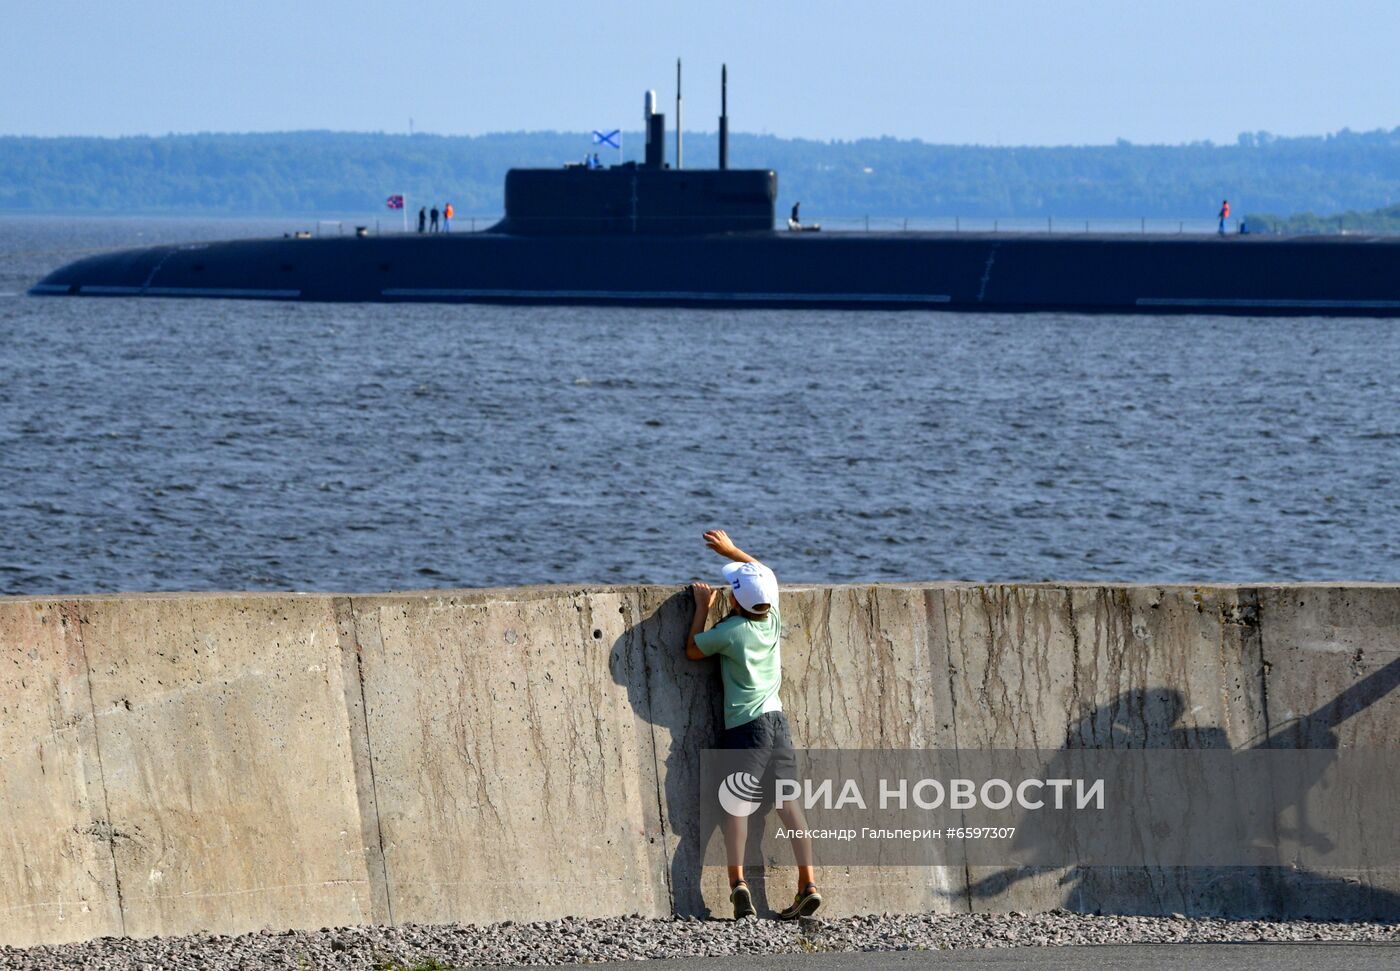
752,583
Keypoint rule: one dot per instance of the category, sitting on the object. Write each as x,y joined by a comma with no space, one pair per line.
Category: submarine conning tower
647,197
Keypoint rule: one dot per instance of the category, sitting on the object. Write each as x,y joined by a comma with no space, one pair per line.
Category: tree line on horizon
334,172
1383,220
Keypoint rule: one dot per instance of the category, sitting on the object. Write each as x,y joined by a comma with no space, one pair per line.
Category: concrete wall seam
362,752
637,643
73,626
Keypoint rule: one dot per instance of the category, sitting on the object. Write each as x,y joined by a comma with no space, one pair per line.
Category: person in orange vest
447,218
1224,215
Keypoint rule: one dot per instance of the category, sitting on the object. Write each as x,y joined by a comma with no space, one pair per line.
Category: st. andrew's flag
607,137
395,202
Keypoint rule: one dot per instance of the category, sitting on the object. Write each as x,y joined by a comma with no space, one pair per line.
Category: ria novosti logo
740,794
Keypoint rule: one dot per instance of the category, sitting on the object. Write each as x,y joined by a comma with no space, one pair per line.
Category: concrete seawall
219,762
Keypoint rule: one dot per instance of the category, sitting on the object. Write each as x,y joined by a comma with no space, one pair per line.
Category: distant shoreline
301,174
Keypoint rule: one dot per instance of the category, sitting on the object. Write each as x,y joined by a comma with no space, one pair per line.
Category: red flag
395,202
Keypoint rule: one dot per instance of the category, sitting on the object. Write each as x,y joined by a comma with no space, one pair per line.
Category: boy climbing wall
746,643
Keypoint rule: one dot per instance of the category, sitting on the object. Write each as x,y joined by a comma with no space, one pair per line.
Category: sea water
150,444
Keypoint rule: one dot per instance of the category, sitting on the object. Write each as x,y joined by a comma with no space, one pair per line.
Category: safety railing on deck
882,224
1017,224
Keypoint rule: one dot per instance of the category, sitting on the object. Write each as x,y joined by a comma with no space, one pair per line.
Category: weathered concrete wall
230,790
57,877
230,762
511,772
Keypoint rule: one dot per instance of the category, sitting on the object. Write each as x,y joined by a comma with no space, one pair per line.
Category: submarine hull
995,272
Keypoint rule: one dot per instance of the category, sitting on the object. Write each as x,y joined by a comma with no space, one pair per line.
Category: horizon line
701,133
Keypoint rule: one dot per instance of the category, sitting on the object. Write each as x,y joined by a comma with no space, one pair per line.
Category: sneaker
805,904
742,901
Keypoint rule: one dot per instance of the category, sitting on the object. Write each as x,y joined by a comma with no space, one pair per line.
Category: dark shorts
765,745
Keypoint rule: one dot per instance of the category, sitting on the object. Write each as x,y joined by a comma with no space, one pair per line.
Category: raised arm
719,541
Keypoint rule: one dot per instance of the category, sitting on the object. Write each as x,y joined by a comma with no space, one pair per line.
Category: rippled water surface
190,445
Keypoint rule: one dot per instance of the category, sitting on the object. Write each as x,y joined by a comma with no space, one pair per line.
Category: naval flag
607,138
395,202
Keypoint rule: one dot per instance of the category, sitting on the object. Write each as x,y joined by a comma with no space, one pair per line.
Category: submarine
653,232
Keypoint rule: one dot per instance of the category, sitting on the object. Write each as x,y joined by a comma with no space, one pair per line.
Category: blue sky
1010,72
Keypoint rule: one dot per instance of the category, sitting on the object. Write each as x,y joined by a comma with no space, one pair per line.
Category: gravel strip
423,947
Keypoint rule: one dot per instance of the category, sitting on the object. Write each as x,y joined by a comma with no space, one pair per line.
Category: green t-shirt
750,663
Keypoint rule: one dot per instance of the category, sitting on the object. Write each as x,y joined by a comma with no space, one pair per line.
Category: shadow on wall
1147,718
680,700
